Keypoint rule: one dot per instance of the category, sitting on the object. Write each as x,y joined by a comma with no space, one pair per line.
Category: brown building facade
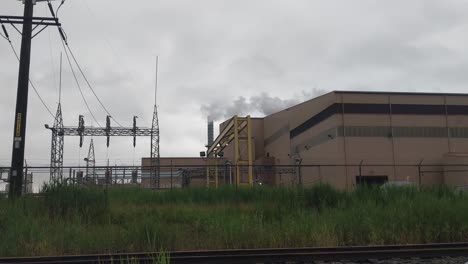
345,138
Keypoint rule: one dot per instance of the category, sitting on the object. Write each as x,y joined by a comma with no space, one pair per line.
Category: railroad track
289,255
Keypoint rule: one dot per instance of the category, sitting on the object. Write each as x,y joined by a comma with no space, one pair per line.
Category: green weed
78,220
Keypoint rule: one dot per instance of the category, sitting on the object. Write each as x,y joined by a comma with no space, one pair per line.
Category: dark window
396,109
371,180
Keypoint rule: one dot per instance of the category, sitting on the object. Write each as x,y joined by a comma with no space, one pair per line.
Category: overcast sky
217,54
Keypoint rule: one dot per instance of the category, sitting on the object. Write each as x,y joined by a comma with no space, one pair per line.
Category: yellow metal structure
212,170
239,130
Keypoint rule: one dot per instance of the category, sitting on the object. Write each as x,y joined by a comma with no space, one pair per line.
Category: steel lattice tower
155,157
91,163
155,162
56,158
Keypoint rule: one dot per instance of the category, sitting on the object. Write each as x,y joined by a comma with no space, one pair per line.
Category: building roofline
369,93
399,93
301,103
364,93
251,118
175,157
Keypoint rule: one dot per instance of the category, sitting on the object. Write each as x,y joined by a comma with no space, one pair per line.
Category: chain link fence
340,176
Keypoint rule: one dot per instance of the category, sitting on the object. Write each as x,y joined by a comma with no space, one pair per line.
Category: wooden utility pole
19,130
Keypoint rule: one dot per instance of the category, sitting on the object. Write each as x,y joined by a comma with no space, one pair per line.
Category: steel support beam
104,132
249,150
236,149
238,130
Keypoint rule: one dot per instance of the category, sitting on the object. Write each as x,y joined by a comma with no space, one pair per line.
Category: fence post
360,170
299,168
171,174
114,178
230,174
320,173
420,173
25,182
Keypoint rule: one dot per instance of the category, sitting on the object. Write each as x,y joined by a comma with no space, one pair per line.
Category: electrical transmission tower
155,156
91,163
56,157
19,131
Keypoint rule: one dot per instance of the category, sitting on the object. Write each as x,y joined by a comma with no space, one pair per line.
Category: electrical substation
17,176
342,138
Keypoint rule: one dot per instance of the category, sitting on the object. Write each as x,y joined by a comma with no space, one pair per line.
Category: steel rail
265,255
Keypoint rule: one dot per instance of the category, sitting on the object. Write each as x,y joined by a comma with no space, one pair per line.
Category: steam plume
263,104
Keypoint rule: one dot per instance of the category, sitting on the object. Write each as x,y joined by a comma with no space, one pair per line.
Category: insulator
51,9
5,31
62,34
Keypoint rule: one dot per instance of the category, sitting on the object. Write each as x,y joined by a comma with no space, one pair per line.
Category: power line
30,82
7,37
52,57
66,46
78,84
19,129
65,42
115,52
89,85
105,35
58,8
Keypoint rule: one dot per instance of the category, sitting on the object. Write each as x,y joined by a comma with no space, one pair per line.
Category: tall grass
75,220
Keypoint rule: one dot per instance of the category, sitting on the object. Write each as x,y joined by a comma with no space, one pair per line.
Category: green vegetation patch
77,220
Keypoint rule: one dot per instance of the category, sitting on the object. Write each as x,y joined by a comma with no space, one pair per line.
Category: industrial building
343,138
346,138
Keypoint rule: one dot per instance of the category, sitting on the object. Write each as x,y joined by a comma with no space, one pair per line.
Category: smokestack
210,133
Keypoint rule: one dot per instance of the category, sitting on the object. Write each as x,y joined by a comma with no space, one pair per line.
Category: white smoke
263,104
